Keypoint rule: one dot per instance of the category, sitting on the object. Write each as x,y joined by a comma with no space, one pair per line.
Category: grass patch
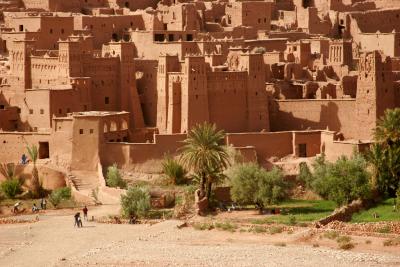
297,211
331,235
384,230
392,242
343,239
160,214
258,229
346,246
275,230
384,210
226,226
344,242
203,226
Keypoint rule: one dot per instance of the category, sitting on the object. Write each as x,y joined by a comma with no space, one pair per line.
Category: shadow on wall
50,179
302,119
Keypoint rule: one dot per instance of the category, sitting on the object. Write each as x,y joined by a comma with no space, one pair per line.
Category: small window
68,110
59,111
21,28
51,31
31,111
106,100
80,131
91,131
2,107
62,31
41,111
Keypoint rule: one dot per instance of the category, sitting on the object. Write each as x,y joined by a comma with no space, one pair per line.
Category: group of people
77,217
43,205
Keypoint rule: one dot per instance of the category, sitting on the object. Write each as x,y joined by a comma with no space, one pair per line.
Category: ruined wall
336,115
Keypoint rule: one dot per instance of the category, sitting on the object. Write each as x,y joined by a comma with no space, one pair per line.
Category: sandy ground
53,241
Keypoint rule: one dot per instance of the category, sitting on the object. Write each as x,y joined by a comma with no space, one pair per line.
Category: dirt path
55,242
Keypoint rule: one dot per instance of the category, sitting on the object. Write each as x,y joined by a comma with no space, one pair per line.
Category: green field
384,210
301,210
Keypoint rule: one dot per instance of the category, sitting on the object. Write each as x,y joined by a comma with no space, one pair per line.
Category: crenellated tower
20,64
375,92
194,93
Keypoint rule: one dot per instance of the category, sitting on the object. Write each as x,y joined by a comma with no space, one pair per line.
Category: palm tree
388,129
205,154
385,154
33,154
8,170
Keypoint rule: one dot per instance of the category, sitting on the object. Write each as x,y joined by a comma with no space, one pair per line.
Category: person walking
85,213
43,204
78,221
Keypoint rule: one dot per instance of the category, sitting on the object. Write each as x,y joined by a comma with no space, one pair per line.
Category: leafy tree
204,153
34,154
174,171
251,184
59,195
114,178
11,187
384,156
342,181
136,202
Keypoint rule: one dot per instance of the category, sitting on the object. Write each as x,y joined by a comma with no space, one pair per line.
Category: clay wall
128,155
266,144
336,115
334,149
106,28
252,13
44,71
146,83
270,45
388,43
228,89
13,144
105,74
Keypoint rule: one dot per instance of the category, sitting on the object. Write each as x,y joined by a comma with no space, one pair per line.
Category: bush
343,181
136,202
11,188
59,195
305,175
251,184
114,178
174,171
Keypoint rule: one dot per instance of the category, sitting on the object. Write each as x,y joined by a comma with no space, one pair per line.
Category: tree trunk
209,187
35,180
202,185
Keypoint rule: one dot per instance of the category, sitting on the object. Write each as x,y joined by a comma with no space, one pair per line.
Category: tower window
21,28
106,100
80,131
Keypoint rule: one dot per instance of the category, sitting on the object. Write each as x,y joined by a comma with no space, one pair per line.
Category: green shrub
136,202
114,178
343,181
392,242
11,188
59,195
258,229
292,220
343,239
305,175
275,230
346,246
203,226
251,184
174,172
331,235
226,226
